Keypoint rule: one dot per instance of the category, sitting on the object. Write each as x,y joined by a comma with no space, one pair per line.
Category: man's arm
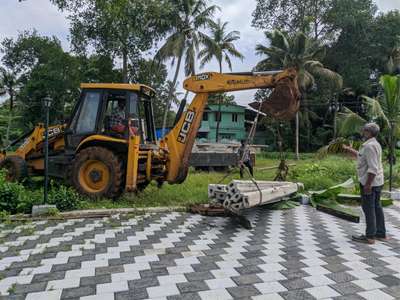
349,150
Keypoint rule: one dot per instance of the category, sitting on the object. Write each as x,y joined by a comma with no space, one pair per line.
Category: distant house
232,124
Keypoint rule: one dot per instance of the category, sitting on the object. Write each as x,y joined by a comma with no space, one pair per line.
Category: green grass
315,174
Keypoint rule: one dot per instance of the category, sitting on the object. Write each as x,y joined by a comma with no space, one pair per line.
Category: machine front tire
97,172
16,168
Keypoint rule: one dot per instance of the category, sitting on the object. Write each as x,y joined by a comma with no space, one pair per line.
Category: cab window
87,117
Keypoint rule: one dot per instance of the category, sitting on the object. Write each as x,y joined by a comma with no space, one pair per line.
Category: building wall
232,125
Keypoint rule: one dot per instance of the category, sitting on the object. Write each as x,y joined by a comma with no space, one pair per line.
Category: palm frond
349,123
316,68
374,109
299,44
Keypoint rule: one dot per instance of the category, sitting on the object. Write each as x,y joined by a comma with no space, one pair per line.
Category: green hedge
18,198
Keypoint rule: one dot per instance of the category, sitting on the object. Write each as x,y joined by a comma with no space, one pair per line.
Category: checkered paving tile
295,254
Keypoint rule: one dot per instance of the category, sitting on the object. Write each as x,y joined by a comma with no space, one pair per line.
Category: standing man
244,158
370,176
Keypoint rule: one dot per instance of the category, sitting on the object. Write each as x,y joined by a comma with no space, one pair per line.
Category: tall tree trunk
125,66
297,136
391,156
170,93
10,115
219,109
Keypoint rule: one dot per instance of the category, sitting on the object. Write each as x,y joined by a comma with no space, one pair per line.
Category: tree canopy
121,29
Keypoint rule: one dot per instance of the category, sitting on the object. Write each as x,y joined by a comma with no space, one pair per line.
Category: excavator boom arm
219,83
180,140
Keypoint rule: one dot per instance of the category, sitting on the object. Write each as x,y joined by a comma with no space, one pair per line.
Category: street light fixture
47,103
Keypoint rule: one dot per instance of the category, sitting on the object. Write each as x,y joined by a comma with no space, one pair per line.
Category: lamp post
47,103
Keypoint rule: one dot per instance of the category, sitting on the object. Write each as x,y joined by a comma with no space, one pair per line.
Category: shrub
65,198
10,195
16,198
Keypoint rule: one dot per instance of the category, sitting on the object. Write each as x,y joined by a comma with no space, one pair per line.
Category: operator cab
113,110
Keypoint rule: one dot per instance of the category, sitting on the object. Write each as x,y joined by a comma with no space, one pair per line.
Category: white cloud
386,5
33,14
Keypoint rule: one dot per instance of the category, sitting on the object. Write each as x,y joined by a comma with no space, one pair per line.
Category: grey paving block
346,288
192,286
295,284
388,280
336,268
66,267
333,260
154,272
249,270
81,258
78,292
121,261
196,276
293,264
205,267
349,297
125,295
246,279
143,283
243,291
48,276
256,247
381,271
209,259
109,270
251,262
93,280
296,295
30,288
374,262
341,277
393,291
188,296
25,264
294,273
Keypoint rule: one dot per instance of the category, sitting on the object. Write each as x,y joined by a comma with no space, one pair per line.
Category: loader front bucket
284,101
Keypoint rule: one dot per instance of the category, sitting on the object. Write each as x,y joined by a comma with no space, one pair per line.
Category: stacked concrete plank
240,194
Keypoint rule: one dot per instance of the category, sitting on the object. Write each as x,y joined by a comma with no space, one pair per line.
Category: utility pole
47,103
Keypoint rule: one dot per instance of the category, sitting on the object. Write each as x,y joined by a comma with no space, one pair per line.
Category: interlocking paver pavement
295,254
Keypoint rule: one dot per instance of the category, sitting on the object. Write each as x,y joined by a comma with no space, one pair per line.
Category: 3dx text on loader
100,162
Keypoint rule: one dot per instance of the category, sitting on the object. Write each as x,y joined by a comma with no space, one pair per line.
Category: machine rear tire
16,168
97,172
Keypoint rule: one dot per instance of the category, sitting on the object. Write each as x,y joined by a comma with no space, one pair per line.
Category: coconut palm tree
302,53
8,86
190,16
221,47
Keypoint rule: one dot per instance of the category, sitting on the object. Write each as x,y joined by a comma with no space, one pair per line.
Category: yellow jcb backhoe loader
109,145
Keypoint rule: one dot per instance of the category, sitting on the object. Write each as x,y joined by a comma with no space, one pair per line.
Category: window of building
202,135
205,116
234,118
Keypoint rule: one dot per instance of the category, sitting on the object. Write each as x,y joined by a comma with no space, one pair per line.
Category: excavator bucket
284,101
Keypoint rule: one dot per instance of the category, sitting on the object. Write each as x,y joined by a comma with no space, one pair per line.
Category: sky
47,20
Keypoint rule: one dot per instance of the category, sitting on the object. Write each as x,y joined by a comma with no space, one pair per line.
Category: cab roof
117,86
